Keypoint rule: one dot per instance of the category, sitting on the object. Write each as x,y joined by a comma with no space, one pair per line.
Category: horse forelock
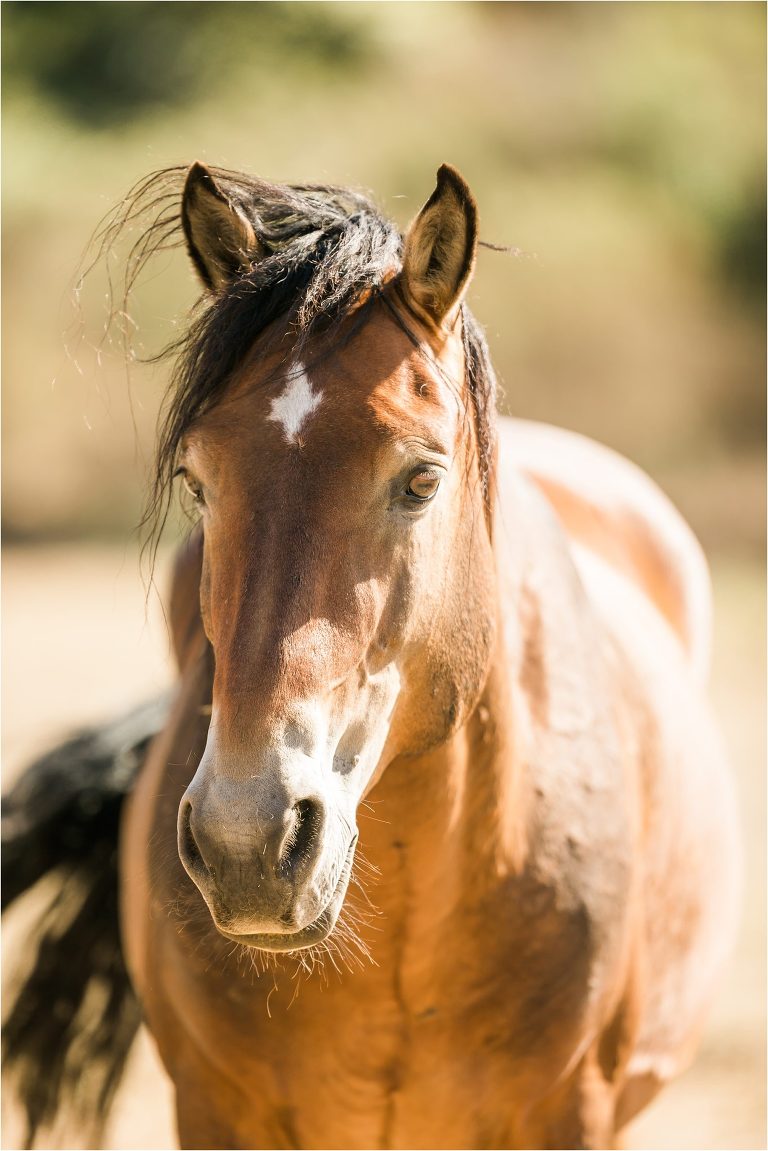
329,250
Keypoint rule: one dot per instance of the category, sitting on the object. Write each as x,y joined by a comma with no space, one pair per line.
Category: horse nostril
299,844
190,853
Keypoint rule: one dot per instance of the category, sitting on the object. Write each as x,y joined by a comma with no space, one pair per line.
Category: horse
434,844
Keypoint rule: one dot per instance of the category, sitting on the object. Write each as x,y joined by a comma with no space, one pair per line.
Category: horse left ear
220,238
440,248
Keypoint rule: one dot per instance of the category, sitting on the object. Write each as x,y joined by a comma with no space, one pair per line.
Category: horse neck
442,827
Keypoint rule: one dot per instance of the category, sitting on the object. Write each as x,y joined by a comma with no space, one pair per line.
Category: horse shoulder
660,798
148,817
612,509
689,846
184,598
148,824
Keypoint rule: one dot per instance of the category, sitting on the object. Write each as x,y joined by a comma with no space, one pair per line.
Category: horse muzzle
262,861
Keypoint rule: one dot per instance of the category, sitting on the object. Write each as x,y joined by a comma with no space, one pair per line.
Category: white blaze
295,404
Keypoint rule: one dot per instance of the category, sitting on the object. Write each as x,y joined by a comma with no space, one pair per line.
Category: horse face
343,596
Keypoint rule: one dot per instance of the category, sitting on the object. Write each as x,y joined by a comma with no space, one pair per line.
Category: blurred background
619,147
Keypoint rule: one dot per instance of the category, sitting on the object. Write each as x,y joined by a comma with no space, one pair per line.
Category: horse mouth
316,931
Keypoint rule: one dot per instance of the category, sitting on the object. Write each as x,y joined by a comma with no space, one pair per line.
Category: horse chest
366,1059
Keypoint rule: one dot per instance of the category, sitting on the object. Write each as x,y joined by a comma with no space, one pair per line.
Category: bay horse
435,845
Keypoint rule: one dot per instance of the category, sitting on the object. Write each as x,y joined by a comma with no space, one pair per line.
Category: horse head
341,461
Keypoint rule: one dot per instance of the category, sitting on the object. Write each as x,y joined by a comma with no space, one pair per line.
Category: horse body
549,921
501,951
477,648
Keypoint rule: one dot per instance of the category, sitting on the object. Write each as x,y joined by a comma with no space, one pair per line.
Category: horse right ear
220,238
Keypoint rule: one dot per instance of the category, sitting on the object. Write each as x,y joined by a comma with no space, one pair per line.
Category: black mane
325,245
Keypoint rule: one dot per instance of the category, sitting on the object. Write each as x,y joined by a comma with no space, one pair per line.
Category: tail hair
74,1014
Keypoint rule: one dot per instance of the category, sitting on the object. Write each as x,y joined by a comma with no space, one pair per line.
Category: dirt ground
80,644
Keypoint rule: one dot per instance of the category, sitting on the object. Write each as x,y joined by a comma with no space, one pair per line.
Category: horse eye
192,486
423,486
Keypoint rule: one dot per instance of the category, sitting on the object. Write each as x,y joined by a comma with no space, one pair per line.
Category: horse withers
436,846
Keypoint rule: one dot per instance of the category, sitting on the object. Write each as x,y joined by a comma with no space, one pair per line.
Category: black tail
74,1016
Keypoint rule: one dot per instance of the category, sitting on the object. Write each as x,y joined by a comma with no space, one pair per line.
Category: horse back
612,510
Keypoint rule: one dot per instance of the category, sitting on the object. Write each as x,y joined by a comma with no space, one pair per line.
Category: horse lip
316,931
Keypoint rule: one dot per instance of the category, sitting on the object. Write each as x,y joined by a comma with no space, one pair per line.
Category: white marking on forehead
295,404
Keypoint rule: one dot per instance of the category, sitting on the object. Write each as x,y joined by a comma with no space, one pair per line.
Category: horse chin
309,936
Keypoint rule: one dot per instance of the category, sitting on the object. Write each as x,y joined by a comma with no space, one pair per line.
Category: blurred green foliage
621,146
109,61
